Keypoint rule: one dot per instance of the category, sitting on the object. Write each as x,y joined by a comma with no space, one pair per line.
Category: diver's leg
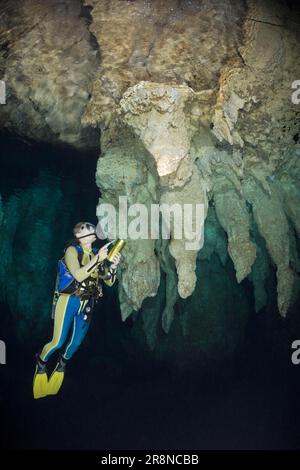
80,328
64,313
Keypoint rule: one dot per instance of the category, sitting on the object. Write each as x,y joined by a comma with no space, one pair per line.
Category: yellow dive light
117,248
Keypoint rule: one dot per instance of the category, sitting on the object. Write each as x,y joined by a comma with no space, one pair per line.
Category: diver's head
85,233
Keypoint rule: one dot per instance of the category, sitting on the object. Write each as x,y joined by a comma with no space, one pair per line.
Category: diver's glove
107,272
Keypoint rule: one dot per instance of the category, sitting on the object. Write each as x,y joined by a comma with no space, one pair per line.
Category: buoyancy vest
65,281
67,284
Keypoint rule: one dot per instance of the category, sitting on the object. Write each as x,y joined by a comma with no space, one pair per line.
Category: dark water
110,402
114,397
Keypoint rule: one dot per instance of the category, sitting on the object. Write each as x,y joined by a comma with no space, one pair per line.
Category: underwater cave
188,349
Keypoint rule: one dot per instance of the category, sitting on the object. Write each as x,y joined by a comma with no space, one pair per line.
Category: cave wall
47,60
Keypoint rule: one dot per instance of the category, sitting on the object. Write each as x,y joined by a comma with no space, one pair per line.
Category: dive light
117,248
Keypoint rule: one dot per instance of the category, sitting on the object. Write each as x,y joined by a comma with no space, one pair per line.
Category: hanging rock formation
199,94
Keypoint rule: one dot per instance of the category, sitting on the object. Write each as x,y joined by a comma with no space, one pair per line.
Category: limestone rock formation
209,116
48,61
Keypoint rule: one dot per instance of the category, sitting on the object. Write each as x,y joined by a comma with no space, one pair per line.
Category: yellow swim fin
40,380
55,382
57,378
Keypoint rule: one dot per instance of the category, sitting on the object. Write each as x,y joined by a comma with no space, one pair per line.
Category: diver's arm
80,274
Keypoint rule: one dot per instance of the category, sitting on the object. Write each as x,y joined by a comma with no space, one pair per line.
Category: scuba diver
78,288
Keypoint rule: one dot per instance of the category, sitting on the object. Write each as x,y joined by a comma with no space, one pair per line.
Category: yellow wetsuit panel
60,311
90,266
81,273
